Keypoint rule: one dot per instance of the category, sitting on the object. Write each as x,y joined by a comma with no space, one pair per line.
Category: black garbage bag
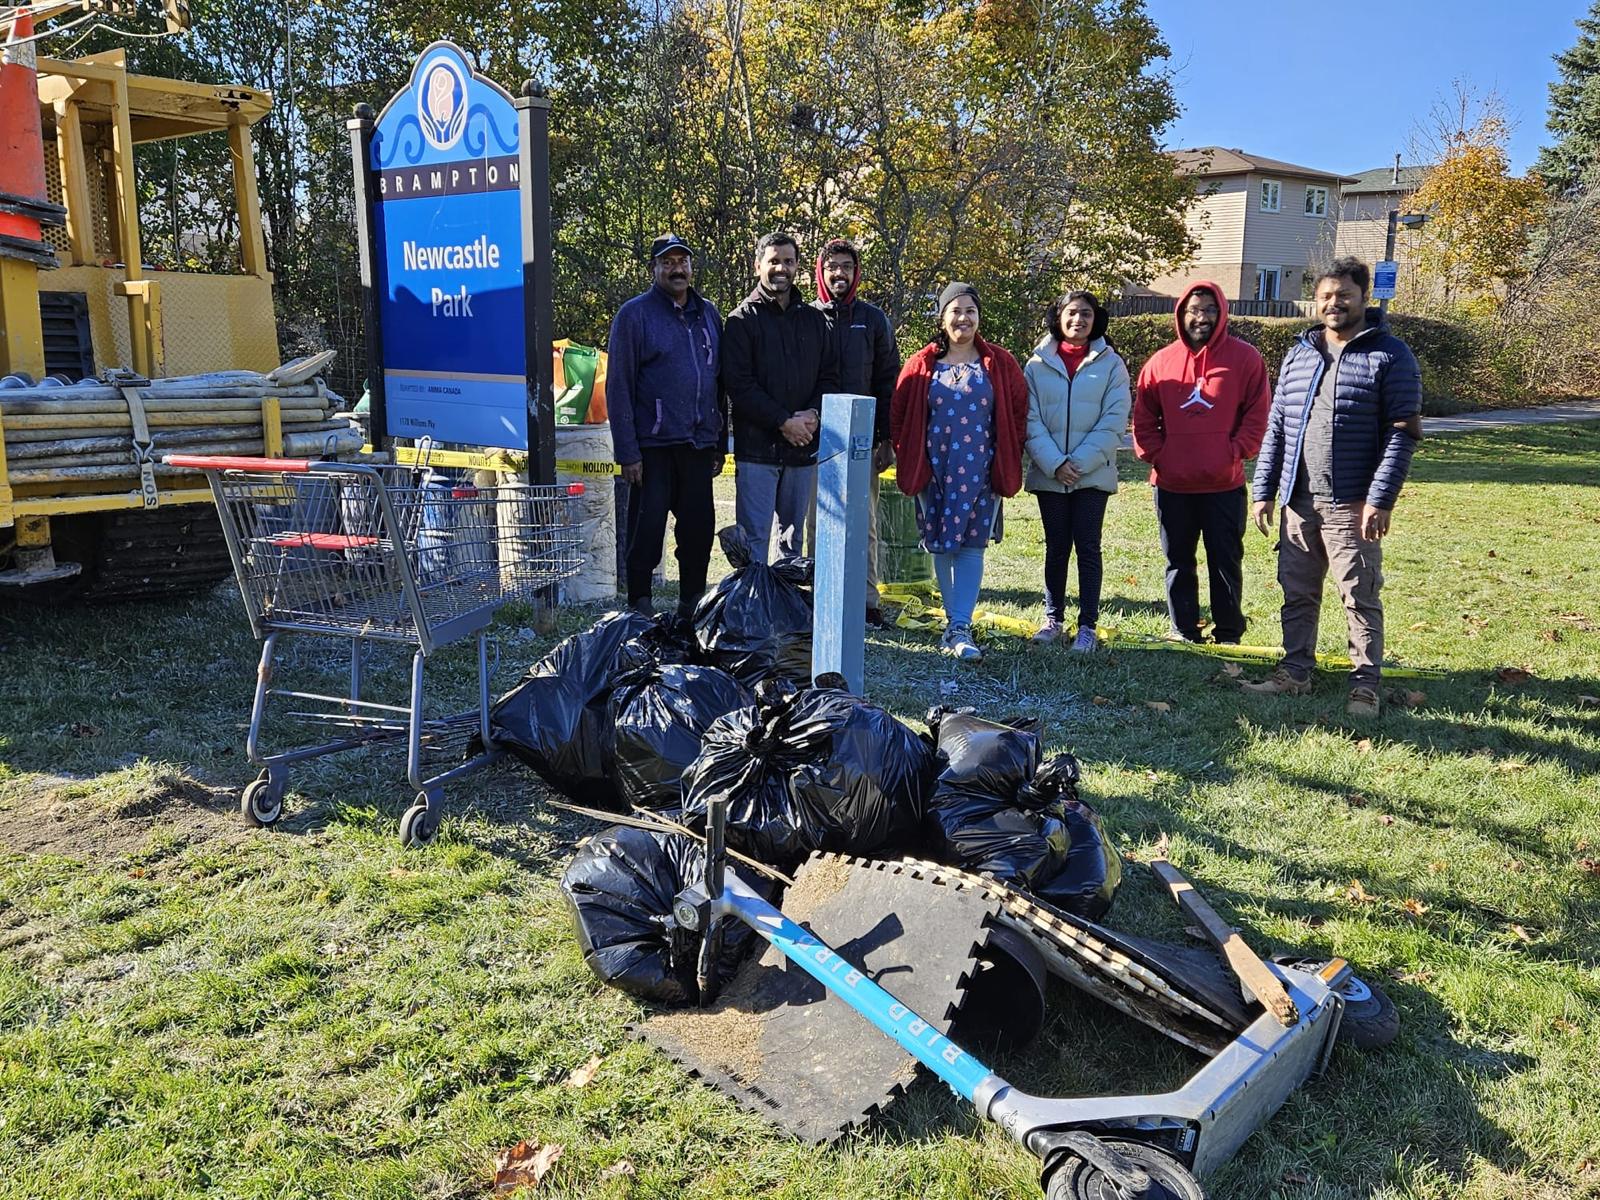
660,714
994,810
619,890
813,769
558,720
1086,880
756,623
669,639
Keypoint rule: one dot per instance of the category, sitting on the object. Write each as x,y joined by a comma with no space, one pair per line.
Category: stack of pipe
63,432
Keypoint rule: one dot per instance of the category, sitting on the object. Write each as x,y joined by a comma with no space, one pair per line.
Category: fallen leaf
1413,907
583,1076
1562,1025
1581,845
137,873
1151,776
1438,867
1358,893
1420,976
1131,580
1295,1175
1417,626
1522,934
1492,554
1516,866
1364,746
1408,699
1550,635
1163,846
1232,670
1356,800
1513,676
617,1169
1160,706
1100,700
1589,866
1589,701
1386,819
82,729
524,1165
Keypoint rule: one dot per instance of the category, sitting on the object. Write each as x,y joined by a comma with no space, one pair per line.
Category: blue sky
1264,75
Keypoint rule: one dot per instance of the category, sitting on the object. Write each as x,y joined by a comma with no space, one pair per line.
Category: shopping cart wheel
261,802
421,821
1092,1169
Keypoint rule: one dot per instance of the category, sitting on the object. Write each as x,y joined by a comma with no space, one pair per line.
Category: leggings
960,575
1072,520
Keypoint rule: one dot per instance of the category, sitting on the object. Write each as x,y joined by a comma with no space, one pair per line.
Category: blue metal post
844,478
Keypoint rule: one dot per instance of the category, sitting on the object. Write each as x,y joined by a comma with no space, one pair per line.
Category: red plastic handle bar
574,489
228,462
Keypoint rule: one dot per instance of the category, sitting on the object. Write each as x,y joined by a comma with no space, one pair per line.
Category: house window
1316,202
1267,281
1271,195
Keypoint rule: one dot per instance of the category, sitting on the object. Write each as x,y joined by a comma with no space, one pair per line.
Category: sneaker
1048,632
1178,635
1283,683
957,640
1087,641
1363,702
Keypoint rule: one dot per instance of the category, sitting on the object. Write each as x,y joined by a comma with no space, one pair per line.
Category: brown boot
1282,683
1363,702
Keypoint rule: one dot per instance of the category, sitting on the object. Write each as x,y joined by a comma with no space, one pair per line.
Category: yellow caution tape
575,466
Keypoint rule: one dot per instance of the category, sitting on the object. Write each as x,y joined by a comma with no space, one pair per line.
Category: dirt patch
818,881
724,1039
114,815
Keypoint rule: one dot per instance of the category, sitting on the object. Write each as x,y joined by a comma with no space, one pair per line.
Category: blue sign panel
1385,275
447,220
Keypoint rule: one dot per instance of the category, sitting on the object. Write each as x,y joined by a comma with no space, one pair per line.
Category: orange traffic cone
24,201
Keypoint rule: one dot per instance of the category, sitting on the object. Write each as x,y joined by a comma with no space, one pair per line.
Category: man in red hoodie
1199,410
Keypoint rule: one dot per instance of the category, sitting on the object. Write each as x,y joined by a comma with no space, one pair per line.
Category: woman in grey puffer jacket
1078,403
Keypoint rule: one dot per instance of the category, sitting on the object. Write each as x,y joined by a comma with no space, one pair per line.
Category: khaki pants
1319,538
873,599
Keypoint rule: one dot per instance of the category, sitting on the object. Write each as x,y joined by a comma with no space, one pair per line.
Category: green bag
579,365
901,558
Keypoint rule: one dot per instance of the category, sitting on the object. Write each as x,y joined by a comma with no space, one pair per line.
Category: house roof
1217,160
1381,179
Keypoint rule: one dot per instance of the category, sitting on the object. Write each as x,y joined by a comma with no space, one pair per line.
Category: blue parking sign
448,262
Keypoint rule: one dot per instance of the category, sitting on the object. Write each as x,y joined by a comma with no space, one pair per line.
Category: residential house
1263,226
1365,205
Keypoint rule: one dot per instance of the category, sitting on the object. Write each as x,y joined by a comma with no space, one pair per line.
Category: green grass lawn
191,1008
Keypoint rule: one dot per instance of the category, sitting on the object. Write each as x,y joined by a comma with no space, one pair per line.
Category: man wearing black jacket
778,360
869,364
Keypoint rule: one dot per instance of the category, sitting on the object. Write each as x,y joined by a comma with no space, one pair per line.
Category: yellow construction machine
107,533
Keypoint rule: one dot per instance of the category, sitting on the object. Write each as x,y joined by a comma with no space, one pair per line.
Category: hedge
1461,367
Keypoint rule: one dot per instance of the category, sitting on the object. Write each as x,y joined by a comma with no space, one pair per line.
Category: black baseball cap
670,241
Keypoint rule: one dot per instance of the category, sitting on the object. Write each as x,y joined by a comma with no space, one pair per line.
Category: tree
1481,218
1574,113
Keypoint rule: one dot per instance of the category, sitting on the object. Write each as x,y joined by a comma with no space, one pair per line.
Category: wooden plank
1245,963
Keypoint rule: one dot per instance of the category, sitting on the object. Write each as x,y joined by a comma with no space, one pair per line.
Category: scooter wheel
1069,1177
1370,1019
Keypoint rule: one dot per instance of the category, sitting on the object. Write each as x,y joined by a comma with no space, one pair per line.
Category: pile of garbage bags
667,715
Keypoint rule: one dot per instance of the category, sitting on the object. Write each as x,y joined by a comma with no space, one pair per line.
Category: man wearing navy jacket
1346,418
669,428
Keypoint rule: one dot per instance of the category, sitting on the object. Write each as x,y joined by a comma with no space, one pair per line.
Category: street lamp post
1396,219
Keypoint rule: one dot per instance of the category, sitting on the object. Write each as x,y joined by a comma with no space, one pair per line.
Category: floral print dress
957,508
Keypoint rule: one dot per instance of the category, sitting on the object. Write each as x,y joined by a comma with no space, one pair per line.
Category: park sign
447,257
1385,275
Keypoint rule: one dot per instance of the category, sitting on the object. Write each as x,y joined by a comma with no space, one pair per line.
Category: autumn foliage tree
1481,217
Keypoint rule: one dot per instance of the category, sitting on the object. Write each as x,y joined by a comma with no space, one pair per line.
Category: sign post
443,191
844,481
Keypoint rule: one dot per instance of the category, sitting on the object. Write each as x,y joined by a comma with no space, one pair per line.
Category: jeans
960,575
1073,520
1316,538
1219,518
767,493
677,480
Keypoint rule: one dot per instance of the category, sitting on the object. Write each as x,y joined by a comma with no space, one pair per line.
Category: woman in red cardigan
958,422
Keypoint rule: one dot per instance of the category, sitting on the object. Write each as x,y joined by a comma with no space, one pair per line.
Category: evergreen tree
1574,113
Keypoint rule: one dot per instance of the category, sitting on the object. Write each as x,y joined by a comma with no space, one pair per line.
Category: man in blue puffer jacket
1346,417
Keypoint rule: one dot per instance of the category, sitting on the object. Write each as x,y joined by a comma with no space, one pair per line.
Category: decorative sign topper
448,227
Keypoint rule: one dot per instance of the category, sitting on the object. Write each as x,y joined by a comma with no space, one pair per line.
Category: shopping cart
381,554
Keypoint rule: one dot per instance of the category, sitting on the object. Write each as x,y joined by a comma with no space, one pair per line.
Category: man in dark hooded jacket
778,360
1199,411
869,364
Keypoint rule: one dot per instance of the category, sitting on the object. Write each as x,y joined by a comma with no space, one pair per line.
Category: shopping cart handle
230,462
